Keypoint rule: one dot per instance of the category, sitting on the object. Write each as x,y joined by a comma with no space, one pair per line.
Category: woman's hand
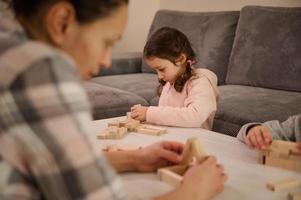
159,155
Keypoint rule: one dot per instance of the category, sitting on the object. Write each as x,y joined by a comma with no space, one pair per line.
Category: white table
247,178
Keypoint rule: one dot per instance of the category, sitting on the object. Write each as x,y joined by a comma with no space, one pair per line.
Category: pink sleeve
199,106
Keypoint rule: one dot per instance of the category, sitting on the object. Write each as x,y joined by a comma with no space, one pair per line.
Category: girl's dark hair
169,43
86,10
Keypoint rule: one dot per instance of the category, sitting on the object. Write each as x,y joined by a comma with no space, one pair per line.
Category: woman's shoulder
23,56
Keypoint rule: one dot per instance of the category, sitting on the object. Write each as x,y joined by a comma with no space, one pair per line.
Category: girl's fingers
266,135
259,140
252,140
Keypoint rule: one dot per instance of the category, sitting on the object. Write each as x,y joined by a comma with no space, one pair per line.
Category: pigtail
185,76
160,86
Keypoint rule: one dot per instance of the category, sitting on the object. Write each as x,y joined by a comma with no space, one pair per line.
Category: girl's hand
258,137
138,112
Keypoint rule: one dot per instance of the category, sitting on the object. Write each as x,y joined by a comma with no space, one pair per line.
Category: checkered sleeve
44,125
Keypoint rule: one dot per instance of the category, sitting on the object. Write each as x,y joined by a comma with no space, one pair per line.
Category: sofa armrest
124,63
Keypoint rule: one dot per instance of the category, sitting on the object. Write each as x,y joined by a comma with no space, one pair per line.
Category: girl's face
165,69
90,45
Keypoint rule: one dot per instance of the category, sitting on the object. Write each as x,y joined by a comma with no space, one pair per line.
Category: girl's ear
181,59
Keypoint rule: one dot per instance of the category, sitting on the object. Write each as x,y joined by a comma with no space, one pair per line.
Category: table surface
247,178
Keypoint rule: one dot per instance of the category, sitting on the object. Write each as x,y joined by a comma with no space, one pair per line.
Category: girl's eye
161,70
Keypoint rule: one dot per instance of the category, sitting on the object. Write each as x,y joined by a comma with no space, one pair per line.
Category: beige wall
216,5
143,11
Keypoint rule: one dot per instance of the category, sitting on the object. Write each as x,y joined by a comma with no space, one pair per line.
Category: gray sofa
255,52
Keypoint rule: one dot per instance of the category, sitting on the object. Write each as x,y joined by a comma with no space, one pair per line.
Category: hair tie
191,62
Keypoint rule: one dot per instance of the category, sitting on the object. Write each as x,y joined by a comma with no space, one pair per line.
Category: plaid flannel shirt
44,117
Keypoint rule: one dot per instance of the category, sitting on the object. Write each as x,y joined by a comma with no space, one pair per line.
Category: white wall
143,11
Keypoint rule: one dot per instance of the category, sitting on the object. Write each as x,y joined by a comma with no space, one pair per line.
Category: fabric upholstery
111,102
142,84
239,105
267,48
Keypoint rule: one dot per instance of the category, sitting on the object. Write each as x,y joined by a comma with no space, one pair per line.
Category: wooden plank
284,184
172,175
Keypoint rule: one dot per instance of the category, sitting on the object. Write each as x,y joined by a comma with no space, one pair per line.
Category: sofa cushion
211,35
242,104
110,102
267,46
141,84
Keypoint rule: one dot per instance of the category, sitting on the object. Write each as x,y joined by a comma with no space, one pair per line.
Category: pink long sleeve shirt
195,106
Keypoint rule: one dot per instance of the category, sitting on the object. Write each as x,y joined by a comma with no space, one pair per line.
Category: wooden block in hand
198,151
172,175
193,148
284,184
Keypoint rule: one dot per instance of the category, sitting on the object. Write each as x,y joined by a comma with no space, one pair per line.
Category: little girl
187,95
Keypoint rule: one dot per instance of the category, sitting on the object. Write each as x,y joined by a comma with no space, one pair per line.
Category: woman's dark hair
86,10
169,43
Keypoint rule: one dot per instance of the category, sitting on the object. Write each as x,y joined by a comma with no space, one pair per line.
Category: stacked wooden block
173,175
117,129
281,154
112,132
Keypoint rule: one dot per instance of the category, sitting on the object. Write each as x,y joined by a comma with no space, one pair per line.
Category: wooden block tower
281,154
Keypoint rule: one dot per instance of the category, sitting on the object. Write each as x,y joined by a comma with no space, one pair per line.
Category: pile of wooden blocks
193,151
286,184
117,129
281,154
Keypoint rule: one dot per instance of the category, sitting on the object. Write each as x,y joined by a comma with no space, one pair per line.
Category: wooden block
132,124
172,175
149,131
124,122
193,148
161,129
114,123
294,195
262,156
112,132
273,159
284,184
198,151
281,146
122,131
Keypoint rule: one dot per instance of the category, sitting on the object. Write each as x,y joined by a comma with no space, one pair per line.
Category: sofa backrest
267,49
211,35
